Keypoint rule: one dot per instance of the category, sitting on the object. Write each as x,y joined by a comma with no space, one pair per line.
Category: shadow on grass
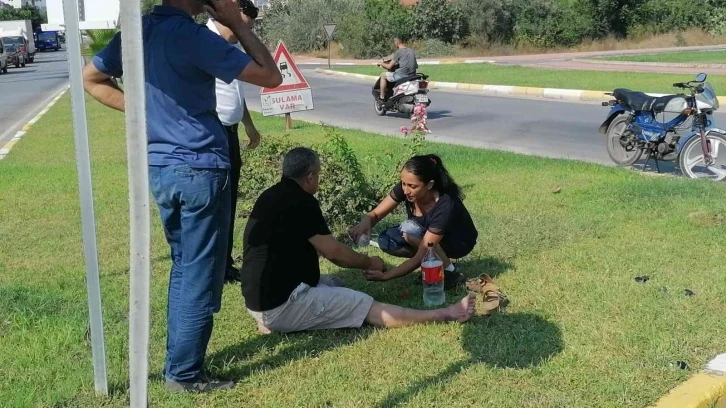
511,341
279,350
473,267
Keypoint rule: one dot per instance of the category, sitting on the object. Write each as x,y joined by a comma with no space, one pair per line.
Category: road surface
26,91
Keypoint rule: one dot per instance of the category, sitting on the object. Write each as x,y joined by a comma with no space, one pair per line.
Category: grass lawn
694,57
551,78
580,332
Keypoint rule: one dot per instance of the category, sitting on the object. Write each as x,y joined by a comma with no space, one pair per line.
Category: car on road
15,56
3,60
19,45
48,40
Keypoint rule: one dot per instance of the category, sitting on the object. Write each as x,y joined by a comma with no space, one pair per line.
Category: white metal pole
136,141
85,190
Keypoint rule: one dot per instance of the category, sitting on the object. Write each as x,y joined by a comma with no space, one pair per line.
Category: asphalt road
540,127
26,91
546,128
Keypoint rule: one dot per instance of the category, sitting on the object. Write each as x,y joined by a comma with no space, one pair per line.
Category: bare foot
263,329
463,310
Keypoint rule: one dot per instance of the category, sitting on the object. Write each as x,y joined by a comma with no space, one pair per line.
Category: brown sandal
493,299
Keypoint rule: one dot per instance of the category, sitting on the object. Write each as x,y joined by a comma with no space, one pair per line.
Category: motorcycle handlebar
679,85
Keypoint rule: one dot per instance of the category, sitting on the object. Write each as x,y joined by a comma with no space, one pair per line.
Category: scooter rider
404,58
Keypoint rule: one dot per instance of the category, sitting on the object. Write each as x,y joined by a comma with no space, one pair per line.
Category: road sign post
329,31
293,95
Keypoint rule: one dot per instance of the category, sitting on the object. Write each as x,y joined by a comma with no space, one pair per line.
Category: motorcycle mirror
701,77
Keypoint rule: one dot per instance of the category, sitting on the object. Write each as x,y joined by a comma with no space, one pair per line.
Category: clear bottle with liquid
432,271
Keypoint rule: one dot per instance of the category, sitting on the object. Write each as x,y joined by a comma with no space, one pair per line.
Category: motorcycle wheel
22,63
379,108
691,158
617,152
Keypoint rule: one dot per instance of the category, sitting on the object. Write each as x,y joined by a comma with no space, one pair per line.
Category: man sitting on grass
281,282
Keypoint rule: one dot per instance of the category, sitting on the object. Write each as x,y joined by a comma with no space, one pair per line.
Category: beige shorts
317,308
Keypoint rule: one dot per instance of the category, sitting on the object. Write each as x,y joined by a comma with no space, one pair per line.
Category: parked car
17,54
3,60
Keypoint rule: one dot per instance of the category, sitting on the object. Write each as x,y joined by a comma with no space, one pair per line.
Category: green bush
489,20
345,191
370,33
439,20
299,23
662,16
552,23
434,48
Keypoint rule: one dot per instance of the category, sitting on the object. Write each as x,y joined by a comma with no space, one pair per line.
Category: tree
26,12
440,20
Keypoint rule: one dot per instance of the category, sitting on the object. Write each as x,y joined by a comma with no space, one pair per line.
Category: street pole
85,191
140,222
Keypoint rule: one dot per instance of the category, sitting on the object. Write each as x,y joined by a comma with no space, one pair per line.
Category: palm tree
99,39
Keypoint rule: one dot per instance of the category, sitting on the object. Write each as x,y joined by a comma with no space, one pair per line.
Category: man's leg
204,228
323,307
384,85
232,274
161,181
392,242
390,316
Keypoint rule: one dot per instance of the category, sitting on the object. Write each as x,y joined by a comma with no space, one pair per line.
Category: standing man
232,109
189,159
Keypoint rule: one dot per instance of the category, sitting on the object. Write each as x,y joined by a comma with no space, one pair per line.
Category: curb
5,150
507,91
573,95
706,389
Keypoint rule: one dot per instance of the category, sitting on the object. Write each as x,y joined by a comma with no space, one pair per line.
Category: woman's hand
378,276
363,228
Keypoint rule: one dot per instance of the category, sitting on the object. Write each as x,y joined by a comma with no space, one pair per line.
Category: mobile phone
249,9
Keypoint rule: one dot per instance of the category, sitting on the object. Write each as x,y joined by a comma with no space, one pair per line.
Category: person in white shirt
232,110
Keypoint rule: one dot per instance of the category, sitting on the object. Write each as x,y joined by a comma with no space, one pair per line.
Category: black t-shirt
277,254
448,217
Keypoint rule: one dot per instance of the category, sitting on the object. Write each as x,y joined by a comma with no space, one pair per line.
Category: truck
20,34
48,40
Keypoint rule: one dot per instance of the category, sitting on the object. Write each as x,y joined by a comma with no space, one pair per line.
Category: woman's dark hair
430,167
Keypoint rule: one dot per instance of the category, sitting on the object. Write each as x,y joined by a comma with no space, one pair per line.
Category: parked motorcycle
637,124
403,95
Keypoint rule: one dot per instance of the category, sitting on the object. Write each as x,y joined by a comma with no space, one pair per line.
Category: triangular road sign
330,30
292,79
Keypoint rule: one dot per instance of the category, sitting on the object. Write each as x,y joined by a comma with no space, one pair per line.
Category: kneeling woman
436,213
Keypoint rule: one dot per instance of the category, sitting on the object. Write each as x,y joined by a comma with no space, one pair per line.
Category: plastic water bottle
432,268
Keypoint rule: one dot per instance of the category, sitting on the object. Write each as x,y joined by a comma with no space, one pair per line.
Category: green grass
551,78
580,332
693,57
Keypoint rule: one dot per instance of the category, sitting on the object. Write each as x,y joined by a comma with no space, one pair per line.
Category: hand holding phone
227,12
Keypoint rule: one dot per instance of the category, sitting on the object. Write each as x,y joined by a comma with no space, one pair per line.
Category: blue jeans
194,206
392,240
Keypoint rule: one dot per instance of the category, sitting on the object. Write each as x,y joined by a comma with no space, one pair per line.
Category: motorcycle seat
411,78
640,101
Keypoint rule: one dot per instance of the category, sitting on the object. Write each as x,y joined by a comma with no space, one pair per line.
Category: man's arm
102,88
387,65
250,128
341,255
262,71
